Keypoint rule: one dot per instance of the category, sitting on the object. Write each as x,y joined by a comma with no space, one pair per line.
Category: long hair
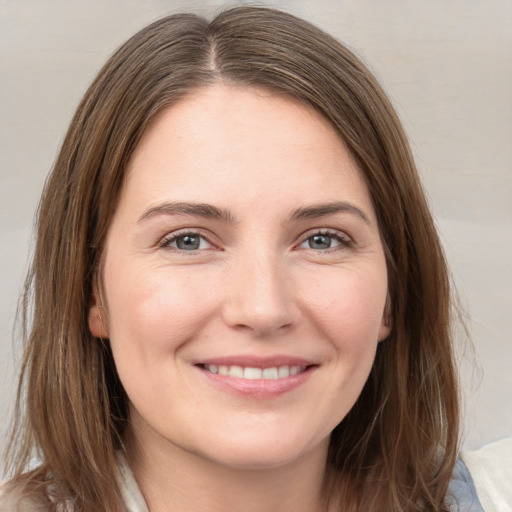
398,444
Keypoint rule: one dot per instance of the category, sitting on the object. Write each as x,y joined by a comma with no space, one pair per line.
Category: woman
240,299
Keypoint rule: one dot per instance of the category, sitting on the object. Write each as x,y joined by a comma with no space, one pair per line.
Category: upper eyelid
173,235
326,231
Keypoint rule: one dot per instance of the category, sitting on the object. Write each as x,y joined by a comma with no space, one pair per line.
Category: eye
324,240
191,241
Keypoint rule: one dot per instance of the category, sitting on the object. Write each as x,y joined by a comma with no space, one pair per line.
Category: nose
260,297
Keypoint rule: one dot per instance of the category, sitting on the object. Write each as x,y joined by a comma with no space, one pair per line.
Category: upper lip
255,361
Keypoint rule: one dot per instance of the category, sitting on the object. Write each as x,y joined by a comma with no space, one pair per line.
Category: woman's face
244,282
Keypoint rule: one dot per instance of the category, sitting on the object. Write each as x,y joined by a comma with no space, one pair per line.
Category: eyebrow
208,211
323,210
204,210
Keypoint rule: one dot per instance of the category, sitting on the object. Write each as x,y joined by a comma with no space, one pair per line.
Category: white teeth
283,371
236,371
252,373
270,373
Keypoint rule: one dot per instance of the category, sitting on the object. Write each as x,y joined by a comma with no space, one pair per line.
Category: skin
258,286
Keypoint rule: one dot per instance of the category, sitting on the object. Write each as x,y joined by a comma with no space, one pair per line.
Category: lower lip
258,388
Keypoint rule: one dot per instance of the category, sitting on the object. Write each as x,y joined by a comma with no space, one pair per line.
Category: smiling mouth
254,373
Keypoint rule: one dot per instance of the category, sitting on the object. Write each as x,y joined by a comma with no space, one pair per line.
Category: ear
97,316
387,321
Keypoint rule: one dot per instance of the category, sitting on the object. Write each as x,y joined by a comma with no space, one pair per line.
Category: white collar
132,496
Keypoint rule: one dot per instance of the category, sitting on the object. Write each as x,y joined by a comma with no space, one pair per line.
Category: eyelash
344,241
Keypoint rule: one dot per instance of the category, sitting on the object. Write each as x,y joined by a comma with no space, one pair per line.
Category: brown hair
400,438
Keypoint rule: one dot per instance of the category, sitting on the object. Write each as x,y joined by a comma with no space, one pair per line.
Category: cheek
348,306
151,317
348,310
155,312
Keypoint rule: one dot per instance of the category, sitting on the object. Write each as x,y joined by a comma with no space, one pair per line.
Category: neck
173,479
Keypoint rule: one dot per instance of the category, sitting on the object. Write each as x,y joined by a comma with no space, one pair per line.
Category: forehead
225,138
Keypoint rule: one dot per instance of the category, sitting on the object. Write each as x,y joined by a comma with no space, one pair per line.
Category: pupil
320,242
188,242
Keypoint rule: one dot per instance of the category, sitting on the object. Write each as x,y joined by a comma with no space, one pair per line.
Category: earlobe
97,317
384,331
386,323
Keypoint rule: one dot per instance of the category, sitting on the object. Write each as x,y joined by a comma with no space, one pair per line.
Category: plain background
447,66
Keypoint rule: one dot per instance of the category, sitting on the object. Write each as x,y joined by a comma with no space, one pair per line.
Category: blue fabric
462,495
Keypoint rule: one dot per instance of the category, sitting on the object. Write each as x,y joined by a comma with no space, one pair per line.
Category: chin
263,453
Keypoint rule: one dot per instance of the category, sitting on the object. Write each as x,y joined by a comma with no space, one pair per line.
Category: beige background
447,66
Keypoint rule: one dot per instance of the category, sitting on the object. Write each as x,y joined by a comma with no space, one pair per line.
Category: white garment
132,496
491,470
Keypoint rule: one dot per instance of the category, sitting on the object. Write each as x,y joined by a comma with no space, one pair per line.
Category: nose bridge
259,294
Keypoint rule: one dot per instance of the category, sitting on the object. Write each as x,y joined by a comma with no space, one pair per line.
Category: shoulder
13,499
26,496
491,471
